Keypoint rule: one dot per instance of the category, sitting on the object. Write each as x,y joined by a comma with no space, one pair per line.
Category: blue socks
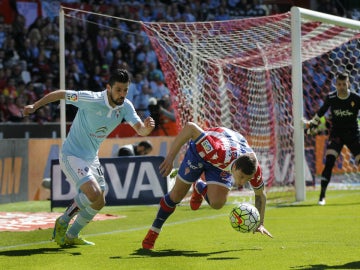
201,188
167,207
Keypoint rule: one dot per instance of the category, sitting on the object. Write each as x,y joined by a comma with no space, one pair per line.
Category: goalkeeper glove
312,126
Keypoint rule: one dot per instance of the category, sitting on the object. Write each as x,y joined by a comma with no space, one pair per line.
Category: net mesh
237,74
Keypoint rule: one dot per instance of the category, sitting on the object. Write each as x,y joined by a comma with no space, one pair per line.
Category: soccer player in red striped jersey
224,157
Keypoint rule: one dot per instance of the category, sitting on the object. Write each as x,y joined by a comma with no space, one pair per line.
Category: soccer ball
244,218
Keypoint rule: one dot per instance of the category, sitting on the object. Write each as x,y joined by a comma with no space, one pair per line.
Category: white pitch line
117,231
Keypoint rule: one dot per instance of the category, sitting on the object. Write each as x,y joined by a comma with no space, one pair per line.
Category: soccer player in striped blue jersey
98,115
225,159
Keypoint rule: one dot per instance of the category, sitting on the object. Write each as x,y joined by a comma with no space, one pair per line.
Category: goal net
238,74
259,76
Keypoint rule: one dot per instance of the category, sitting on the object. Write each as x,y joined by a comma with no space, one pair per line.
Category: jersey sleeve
257,181
131,115
323,109
78,98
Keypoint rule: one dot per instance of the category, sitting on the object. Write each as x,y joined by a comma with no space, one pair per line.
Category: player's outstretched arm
190,131
260,204
51,97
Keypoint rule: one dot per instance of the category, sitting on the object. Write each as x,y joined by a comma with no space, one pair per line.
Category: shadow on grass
350,265
186,253
36,251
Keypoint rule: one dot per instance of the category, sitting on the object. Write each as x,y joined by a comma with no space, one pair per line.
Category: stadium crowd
29,56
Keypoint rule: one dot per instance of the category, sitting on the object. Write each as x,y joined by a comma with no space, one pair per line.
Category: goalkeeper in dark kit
344,106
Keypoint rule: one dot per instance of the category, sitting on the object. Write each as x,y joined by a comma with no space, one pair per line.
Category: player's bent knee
217,204
99,204
94,195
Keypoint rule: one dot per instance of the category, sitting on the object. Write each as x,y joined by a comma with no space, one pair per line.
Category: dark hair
145,144
119,75
342,76
247,163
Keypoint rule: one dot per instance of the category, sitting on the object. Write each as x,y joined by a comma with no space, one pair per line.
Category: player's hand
261,229
166,167
28,109
149,122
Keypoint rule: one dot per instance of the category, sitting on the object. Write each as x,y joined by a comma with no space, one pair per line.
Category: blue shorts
192,167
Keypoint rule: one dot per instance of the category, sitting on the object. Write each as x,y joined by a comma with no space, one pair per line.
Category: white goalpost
297,14
260,76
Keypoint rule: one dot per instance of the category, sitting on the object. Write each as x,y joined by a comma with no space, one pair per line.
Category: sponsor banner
13,170
42,151
130,181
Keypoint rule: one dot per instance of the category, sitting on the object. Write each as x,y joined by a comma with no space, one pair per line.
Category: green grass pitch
306,236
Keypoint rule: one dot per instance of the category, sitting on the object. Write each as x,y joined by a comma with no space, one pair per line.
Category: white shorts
81,171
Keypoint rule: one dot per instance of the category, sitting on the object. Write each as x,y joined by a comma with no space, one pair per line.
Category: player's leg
87,212
214,190
190,169
332,152
89,180
217,195
94,190
166,208
354,146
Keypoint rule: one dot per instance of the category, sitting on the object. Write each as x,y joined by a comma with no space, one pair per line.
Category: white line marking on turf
117,231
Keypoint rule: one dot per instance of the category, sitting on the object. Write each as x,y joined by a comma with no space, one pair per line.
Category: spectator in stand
188,15
158,87
135,89
30,93
3,34
150,54
155,71
330,7
145,14
26,53
43,115
34,47
141,148
4,113
14,107
95,79
11,53
54,64
2,57
18,31
173,14
78,60
25,74
41,68
117,60
16,73
3,79
163,113
10,89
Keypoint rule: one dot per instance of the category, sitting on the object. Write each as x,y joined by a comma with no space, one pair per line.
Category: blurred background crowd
29,50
